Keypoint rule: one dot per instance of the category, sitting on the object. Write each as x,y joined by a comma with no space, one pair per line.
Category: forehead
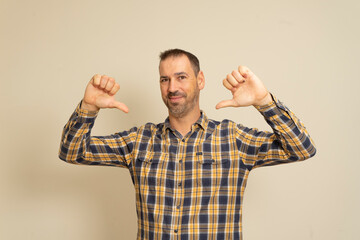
173,65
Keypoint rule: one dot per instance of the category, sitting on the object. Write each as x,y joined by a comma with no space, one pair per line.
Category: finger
121,106
114,89
232,80
225,103
103,81
110,84
96,79
245,71
227,84
238,77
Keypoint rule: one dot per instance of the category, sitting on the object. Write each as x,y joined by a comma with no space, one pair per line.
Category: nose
172,87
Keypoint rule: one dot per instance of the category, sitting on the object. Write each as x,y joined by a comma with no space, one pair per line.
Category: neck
183,124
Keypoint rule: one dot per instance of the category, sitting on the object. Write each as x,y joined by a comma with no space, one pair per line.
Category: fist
247,89
100,93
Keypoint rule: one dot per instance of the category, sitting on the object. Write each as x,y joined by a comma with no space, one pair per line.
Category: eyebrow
176,74
181,73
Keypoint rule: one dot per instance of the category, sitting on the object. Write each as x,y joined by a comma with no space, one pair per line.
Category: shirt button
175,230
183,140
180,161
179,184
178,207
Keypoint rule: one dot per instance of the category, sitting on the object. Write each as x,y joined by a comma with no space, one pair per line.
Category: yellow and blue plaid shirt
189,187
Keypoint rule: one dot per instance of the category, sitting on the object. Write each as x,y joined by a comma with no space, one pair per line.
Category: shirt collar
201,122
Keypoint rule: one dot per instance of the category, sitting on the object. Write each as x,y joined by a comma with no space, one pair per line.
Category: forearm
289,130
76,135
288,142
78,147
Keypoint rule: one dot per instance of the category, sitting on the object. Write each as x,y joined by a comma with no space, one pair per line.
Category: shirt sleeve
78,147
289,141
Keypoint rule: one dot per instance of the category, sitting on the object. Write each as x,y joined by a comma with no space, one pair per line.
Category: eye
182,77
162,80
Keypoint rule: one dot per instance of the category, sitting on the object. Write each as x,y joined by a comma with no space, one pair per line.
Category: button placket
178,180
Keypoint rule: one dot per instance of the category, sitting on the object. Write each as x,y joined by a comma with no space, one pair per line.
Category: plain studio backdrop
306,53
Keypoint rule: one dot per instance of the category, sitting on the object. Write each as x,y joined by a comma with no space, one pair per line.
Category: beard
179,110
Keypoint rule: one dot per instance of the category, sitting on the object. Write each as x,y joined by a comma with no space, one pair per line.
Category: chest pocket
212,171
150,170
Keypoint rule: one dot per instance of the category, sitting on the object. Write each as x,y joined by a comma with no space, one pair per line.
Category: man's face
179,86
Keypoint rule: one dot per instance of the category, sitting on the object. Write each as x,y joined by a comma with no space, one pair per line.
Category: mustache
176,94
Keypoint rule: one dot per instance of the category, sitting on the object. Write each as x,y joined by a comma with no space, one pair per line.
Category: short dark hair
195,64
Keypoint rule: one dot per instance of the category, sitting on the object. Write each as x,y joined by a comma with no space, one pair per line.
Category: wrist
89,107
265,100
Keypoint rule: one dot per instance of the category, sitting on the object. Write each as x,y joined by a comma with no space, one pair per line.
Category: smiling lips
175,99
176,96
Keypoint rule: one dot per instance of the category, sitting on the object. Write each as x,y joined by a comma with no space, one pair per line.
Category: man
189,172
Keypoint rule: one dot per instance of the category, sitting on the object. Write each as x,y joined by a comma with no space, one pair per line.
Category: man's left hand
247,89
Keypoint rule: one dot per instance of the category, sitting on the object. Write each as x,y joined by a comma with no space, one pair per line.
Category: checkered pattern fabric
189,187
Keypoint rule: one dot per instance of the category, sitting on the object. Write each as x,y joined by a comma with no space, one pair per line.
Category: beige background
306,52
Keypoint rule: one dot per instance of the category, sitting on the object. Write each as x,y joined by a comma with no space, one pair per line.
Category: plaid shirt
189,187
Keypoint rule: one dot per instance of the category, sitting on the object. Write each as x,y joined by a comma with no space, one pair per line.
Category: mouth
175,99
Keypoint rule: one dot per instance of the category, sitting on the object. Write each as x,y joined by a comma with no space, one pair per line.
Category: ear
201,80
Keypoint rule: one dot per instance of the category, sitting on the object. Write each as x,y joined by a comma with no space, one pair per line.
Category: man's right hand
100,93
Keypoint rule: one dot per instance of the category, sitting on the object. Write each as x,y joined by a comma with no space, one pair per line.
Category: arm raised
247,89
100,93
